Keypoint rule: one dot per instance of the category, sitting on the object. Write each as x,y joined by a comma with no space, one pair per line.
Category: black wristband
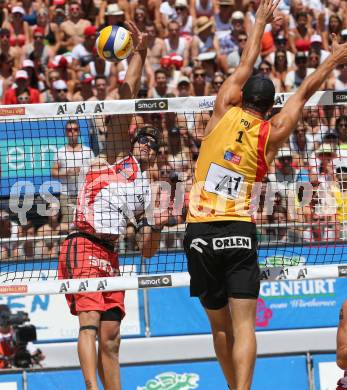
144,222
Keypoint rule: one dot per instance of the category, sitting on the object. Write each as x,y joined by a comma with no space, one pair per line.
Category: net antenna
301,215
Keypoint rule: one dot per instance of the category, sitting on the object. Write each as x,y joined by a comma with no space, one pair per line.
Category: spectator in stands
323,169
280,232
299,36
23,95
341,128
281,43
72,29
204,39
69,160
265,68
21,81
234,57
317,46
59,91
140,17
217,82
48,29
6,73
82,53
200,85
313,59
295,77
174,43
301,142
167,12
222,18
183,87
339,82
285,176
38,47
86,90
19,29
97,66
335,26
184,19
8,230
208,62
49,247
156,46
161,88
100,83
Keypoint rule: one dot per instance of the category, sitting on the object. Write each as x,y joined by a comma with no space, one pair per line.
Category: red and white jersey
110,196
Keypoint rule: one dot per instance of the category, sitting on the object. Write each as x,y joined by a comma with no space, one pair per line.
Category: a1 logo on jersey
232,157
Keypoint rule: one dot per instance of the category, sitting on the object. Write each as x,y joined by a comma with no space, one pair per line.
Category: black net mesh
99,176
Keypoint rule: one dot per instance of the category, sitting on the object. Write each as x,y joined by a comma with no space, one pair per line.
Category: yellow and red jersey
232,158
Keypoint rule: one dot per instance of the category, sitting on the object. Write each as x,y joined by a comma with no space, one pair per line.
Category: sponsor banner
151,105
288,373
51,315
155,281
326,372
11,382
26,161
306,303
340,97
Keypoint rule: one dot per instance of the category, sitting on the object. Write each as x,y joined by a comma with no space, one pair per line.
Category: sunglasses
180,8
199,75
23,98
264,69
38,36
61,90
242,39
143,140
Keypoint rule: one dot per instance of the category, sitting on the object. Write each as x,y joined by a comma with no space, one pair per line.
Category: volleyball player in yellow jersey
220,240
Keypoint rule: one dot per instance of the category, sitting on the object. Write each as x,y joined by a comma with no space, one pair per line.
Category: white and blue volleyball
114,43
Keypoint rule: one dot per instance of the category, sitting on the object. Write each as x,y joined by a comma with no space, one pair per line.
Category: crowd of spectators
47,54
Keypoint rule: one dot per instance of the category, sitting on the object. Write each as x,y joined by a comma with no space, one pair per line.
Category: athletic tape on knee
89,327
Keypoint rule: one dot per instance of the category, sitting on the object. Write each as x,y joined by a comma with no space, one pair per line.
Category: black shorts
222,261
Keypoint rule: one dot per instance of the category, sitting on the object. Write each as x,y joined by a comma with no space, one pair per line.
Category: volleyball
114,43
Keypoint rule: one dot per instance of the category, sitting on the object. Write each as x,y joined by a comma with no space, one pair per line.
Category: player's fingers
275,4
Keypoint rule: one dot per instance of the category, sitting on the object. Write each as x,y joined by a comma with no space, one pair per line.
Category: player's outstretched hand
266,9
139,38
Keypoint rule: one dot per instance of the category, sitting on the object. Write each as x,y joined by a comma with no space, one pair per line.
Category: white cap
59,84
21,74
284,152
181,3
344,32
183,79
210,55
18,10
28,64
316,38
114,9
238,15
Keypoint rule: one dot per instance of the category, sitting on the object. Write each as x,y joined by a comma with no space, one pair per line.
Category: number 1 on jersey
239,138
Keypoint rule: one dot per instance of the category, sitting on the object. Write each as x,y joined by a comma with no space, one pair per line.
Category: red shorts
83,258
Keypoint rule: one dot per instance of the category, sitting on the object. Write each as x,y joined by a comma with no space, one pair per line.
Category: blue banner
11,382
27,152
287,373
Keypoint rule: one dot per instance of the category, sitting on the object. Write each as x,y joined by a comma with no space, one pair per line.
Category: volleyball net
48,154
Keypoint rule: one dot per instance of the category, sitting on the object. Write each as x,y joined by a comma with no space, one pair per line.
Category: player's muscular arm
118,126
284,122
131,85
230,92
341,341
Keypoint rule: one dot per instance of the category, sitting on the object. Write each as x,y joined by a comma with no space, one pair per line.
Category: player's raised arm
284,122
230,92
131,85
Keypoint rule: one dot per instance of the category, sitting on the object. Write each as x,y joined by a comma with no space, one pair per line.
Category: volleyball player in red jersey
115,187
